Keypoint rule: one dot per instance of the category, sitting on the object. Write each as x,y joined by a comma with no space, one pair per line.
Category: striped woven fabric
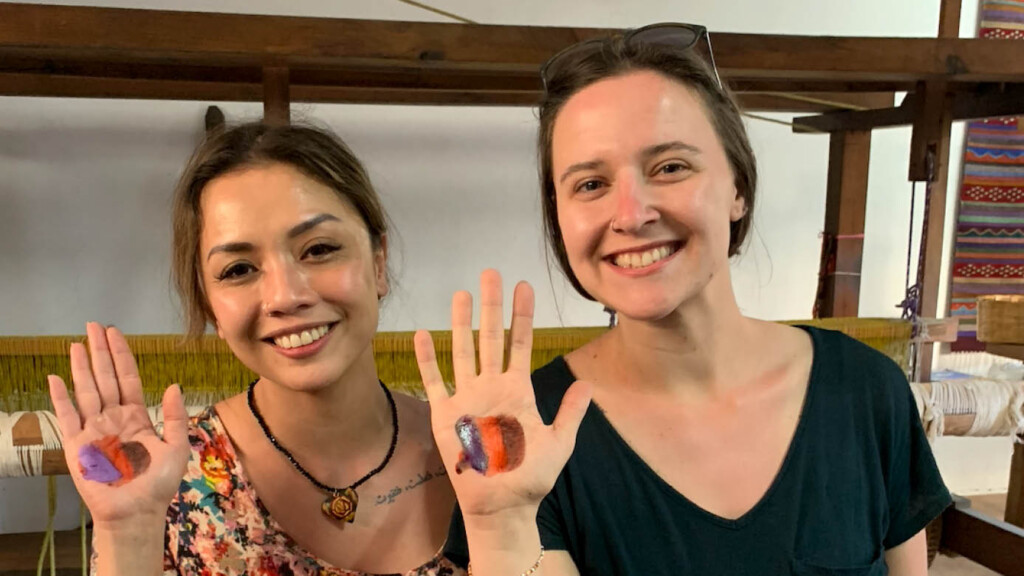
989,253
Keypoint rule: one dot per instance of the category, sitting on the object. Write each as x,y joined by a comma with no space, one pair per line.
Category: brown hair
615,56
317,153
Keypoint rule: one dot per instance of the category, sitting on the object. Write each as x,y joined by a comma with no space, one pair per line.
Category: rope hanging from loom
911,304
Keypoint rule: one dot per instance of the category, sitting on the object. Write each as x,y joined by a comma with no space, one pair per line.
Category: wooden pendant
341,505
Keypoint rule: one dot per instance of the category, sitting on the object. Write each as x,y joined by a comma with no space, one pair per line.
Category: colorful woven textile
989,256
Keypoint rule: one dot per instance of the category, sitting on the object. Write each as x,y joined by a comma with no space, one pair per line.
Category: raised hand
499,454
123,470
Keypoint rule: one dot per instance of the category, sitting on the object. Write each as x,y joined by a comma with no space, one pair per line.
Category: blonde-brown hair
317,153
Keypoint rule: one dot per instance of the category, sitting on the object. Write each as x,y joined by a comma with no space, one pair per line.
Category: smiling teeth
642,259
301,338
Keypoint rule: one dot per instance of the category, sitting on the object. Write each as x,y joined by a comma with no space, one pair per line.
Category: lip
646,270
645,247
303,351
296,329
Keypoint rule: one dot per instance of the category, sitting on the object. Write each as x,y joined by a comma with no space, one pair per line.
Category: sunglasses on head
669,34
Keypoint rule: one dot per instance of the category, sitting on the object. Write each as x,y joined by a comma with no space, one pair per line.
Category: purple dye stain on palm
472,445
490,444
111,461
95,465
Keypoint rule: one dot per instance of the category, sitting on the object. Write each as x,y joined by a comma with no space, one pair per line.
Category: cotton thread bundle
20,458
994,407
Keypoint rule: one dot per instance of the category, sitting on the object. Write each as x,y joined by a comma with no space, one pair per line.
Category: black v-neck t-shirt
858,478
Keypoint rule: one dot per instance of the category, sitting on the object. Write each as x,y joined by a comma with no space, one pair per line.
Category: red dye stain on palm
490,444
110,461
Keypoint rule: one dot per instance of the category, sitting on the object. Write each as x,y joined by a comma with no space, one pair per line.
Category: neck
691,352
348,421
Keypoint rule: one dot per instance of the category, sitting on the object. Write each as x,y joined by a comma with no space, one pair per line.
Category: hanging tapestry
989,252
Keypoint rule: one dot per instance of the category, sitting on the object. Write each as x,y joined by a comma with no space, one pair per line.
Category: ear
738,209
220,333
380,267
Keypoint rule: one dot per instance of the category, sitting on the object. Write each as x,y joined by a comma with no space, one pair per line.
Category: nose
285,289
633,204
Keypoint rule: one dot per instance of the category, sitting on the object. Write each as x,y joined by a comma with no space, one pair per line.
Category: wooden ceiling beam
991,101
144,89
66,86
164,38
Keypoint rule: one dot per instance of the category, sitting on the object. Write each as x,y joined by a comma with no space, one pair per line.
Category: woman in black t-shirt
716,443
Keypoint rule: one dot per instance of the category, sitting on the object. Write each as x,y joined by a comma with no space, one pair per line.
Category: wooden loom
112,53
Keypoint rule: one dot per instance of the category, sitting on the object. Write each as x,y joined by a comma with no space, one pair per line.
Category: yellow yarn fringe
207,370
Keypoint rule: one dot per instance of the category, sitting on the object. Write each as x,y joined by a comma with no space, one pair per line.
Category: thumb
570,413
175,417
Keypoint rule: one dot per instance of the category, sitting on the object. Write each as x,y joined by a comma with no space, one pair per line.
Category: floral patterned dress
216,526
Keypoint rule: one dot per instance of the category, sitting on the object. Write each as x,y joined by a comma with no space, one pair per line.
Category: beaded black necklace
341,503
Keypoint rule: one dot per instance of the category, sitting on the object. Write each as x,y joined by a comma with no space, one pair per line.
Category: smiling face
645,194
290,274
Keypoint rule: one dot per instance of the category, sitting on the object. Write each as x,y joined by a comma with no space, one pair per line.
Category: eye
671,168
587,186
236,271
320,251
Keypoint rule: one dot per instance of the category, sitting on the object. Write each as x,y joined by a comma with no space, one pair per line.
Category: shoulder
856,376
416,452
550,382
852,360
414,422
204,427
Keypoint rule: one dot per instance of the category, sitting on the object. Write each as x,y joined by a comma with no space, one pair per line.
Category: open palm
494,391
110,403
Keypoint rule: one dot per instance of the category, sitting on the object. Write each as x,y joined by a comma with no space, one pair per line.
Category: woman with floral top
280,243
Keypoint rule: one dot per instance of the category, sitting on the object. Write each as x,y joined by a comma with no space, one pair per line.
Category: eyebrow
580,167
313,222
668,146
295,231
647,153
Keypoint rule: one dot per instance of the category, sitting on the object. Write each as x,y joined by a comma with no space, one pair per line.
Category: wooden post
929,159
843,241
949,18
276,97
1015,492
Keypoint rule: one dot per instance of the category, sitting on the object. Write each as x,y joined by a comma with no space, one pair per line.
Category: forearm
135,549
506,544
909,558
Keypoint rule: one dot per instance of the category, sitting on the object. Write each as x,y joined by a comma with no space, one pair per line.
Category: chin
651,305
303,380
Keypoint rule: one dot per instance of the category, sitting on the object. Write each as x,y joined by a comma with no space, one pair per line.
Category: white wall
85,189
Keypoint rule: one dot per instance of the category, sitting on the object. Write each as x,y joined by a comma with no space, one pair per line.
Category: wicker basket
1001,319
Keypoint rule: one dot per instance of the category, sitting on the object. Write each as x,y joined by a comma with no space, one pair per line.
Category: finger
67,417
570,413
521,338
463,350
492,326
89,403
175,417
128,381
102,365
426,359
